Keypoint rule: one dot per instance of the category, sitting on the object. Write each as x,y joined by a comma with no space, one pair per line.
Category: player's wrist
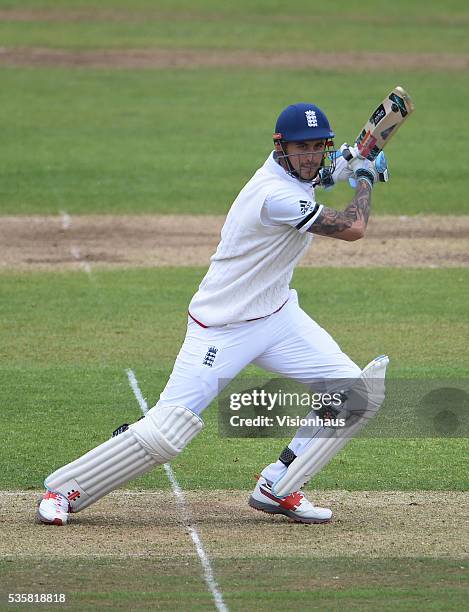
365,175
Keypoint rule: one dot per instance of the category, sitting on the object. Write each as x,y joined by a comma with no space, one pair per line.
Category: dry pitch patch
51,243
131,550
148,525
155,14
182,58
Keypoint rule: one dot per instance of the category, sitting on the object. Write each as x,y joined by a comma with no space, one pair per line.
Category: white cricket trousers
288,343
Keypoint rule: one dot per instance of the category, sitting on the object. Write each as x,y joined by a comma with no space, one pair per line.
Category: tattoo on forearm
332,221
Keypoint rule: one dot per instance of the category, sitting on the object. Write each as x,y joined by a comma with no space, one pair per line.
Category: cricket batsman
245,312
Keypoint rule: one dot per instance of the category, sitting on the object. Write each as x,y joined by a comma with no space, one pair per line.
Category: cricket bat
384,123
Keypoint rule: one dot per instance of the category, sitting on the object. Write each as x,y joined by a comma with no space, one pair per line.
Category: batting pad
159,437
370,391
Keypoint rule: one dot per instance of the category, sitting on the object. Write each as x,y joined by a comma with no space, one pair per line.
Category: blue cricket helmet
300,122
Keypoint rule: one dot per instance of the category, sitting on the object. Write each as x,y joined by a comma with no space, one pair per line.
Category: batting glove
381,165
343,171
362,168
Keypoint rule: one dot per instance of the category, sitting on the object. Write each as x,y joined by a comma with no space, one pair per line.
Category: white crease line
142,402
75,251
66,219
76,254
184,510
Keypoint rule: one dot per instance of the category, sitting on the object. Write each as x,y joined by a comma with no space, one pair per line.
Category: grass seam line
184,510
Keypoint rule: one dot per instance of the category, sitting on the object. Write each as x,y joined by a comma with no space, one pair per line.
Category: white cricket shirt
263,238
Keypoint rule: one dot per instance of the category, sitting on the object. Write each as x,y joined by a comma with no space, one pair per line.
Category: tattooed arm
349,224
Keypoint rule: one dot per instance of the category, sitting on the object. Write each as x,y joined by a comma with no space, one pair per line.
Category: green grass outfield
170,141
186,140
68,339
173,140
328,584
415,26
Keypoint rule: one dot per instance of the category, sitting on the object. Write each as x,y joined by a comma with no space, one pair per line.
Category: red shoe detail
291,502
52,495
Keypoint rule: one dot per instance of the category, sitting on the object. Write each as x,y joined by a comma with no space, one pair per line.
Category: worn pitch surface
148,524
57,242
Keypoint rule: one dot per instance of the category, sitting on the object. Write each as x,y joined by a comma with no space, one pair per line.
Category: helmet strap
285,158
281,155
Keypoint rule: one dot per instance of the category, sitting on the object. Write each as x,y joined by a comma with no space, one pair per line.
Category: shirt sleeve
288,208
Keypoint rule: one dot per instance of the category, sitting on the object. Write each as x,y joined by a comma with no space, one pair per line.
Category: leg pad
156,439
369,389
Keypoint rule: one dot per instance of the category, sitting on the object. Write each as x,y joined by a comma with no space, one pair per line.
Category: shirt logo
210,356
311,118
305,207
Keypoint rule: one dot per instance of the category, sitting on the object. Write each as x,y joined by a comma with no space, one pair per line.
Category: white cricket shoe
53,509
295,505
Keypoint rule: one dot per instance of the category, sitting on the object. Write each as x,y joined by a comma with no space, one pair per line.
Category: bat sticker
384,122
373,154
361,136
379,114
399,102
385,133
367,145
